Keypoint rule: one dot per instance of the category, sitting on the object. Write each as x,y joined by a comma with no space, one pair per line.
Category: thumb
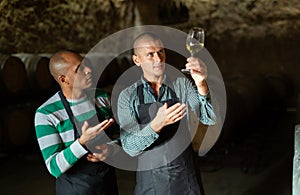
85,126
165,105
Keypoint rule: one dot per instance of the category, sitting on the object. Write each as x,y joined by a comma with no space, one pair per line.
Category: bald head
59,62
145,40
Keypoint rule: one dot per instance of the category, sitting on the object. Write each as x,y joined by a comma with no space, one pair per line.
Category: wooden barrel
17,126
38,74
12,76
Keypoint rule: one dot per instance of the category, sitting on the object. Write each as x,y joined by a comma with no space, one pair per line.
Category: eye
161,52
150,55
79,68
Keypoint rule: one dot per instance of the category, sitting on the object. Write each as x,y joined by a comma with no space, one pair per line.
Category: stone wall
250,36
42,26
244,36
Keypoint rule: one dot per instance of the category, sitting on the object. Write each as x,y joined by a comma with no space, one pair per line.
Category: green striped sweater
55,132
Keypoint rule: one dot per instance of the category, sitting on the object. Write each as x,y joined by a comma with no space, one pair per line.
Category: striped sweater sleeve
59,149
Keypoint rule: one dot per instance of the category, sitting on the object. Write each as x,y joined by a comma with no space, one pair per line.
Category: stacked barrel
25,81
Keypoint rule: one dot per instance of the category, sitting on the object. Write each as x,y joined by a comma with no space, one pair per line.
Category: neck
155,83
155,87
73,94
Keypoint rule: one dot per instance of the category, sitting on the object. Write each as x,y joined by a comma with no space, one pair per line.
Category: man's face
150,56
78,74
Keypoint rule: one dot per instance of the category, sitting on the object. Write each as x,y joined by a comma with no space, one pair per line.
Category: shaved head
144,38
60,61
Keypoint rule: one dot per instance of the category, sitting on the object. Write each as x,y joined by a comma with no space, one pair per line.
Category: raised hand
89,133
166,116
103,151
198,71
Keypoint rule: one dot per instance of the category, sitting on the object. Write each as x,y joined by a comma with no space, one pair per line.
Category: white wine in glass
194,42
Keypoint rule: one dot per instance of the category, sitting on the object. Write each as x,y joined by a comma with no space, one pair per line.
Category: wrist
83,144
155,127
202,88
80,140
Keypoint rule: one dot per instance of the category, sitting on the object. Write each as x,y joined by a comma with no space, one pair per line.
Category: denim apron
175,177
85,177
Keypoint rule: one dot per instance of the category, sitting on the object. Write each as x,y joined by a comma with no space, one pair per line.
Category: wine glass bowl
194,42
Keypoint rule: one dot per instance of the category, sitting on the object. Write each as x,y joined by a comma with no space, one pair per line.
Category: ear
136,60
62,79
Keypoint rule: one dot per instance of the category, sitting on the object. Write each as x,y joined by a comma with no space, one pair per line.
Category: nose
87,70
157,57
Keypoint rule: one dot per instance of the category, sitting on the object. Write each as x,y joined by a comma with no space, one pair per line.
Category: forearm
207,113
136,142
59,162
58,156
201,104
202,88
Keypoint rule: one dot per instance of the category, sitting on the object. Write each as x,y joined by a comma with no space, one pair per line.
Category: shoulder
129,91
97,92
51,105
49,112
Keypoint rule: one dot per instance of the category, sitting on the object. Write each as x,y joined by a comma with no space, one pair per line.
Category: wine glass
194,42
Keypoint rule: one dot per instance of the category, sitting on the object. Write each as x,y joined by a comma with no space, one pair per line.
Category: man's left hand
102,153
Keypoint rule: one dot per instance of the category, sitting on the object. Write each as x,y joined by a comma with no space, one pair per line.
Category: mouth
158,66
89,79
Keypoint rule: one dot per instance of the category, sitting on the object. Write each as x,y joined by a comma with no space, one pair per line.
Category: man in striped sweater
70,130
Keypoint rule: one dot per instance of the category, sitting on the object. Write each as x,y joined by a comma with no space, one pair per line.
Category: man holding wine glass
194,43
154,115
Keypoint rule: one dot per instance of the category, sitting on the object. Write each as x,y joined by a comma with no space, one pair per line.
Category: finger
196,63
92,158
98,128
85,126
195,60
195,66
108,123
179,116
101,148
175,108
165,105
178,112
100,157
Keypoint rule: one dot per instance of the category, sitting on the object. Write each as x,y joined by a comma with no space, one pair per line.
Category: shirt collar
146,83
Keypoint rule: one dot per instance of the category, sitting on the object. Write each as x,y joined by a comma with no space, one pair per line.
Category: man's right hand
168,115
89,133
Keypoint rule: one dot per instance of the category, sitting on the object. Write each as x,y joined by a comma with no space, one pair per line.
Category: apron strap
69,112
100,116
